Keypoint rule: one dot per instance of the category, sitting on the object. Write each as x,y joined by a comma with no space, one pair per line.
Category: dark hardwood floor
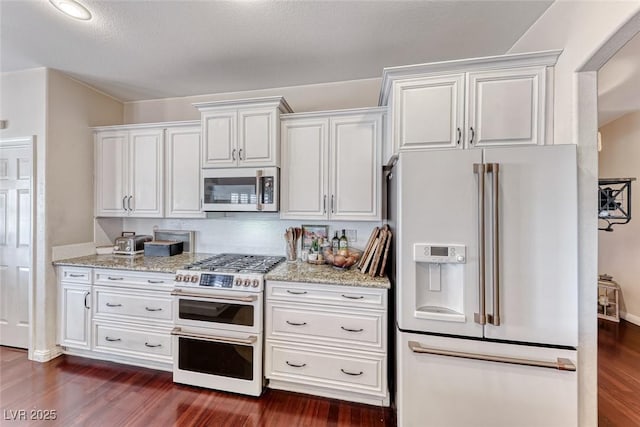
85,392
618,374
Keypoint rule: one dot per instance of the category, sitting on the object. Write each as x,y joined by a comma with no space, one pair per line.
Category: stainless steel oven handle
249,298
259,190
249,340
560,364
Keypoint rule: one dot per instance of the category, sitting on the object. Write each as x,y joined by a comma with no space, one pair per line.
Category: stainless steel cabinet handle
124,208
494,318
113,305
296,293
86,295
115,278
459,137
332,207
152,345
228,340
152,309
155,282
351,330
324,204
112,339
76,275
129,203
351,373
233,154
240,154
352,297
295,365
561,364
473,135
296,324
481,316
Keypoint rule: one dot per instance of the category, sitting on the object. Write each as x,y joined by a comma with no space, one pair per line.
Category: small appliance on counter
130,244
163,248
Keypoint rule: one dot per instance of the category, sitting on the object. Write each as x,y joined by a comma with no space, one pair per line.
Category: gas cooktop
236,263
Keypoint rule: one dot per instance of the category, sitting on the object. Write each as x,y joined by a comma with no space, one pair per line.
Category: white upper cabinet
182,173
331,166
495,101
241,133
129,166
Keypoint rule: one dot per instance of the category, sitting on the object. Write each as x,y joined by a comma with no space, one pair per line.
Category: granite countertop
304,272
159,264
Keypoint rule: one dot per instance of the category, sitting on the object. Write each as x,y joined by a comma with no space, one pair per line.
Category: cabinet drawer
75,274
128,278
328,294
326,367
114,338
341,328
138,305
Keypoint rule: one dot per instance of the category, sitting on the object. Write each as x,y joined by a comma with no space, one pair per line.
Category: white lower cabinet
327,340
118,315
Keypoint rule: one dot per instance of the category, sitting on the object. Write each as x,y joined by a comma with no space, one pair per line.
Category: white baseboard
631,318
72,251
46,355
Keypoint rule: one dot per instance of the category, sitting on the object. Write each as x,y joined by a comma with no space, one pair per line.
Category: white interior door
15,244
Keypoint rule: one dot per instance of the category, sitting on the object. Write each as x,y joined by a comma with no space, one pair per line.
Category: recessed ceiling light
72,8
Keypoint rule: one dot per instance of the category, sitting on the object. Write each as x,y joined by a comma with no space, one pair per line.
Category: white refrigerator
486,286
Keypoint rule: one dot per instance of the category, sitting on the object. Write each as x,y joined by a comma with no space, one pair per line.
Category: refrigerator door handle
561,364
494,318
481,316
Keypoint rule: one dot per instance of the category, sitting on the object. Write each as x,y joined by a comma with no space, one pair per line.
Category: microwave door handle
259,190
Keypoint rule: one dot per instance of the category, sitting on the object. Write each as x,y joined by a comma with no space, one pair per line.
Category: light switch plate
352,235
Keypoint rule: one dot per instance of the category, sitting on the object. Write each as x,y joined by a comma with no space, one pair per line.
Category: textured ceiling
154,49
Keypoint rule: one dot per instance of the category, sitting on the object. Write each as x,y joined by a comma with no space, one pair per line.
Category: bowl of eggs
343,259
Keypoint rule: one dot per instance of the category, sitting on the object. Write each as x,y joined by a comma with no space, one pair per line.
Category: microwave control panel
439,254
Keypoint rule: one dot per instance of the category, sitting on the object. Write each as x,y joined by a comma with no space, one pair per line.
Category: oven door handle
250,340
249,298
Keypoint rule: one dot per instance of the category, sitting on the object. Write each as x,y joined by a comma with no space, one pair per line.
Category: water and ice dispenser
439,281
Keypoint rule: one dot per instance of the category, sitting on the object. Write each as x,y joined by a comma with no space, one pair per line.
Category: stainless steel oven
240,189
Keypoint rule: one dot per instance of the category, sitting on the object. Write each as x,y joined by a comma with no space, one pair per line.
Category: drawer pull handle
76,275
351,330
152,345
152,309
351,297
112,339
351,373
294,365
296,293
155,281
115,278
113,305
296,324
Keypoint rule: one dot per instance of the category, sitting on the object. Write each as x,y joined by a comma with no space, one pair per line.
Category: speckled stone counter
158,264
309,273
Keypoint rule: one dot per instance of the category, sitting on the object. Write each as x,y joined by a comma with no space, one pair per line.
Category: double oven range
219,322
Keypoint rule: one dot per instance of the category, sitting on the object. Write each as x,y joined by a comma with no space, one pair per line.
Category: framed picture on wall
310,232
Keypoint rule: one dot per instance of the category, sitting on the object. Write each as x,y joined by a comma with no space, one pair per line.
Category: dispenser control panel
439,254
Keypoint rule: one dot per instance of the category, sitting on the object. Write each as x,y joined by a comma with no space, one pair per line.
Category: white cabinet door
219,138
146,188
111,183
182,173
258,136
75,316
428,112
355,167
506,107
304,169
436,390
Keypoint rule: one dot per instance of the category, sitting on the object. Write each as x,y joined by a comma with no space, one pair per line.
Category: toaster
130,245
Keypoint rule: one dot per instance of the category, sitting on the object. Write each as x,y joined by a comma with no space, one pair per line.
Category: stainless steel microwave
240,189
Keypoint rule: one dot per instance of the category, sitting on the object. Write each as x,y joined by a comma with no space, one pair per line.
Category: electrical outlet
352,235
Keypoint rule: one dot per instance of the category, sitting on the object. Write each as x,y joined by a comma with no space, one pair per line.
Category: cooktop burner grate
236,263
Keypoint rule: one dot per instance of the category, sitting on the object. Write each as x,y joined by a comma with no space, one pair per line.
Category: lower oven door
220,360
232,311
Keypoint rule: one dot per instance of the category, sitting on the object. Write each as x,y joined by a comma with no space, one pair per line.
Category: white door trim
29,142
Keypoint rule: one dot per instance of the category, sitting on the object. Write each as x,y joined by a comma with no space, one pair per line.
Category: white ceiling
137,50
619,83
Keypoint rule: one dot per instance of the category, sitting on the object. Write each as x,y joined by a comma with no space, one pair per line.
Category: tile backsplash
252,233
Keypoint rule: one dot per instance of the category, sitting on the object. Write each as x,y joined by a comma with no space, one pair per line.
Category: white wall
318,97
581,28
619,251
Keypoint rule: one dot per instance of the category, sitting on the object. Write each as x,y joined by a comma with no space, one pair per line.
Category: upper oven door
240,189
233,311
